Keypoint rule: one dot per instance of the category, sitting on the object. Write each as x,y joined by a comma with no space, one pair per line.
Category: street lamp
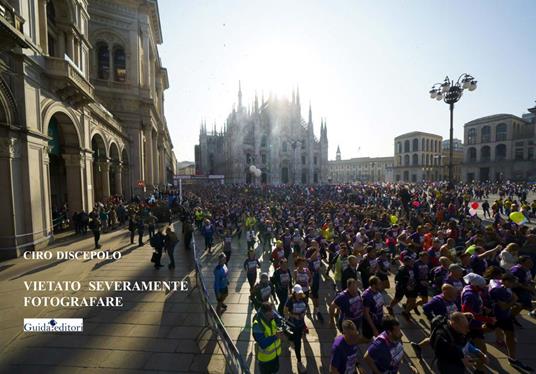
450,93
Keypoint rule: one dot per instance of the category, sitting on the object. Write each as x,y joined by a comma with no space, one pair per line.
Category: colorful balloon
517,217
472,212
393,219
474,205
416,204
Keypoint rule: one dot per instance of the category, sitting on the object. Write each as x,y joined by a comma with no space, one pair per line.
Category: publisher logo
53,325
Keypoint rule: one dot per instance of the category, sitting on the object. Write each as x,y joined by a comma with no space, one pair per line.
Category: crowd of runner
468,276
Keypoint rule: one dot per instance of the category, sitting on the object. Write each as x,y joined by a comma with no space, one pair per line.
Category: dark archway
125,175
115,171
101,182
65,168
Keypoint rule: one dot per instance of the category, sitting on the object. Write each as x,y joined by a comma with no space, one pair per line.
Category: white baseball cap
297,289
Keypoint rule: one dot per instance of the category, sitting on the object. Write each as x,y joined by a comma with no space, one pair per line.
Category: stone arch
8,106
55,108
105,143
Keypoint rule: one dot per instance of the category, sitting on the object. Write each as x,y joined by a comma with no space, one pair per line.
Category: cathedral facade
271,136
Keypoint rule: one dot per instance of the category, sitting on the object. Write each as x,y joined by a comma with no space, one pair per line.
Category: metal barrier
234,361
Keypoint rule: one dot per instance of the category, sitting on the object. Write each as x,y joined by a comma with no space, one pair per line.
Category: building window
486,134
485,153
399,160
399,147
471,136
471,154
263,158
415,160
531,153
120,65
519,154
285,147
406,146
500,152
315,160
103,61
415,145
500,132
303,160
427,145
263,141
248,158
406,160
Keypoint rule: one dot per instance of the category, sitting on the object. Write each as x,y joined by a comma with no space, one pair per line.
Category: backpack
438,323
155,241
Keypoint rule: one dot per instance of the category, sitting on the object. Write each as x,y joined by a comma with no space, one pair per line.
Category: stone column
105,175
162,166
74,168
155,153
89,191
148,157
146,79
8,194
118,168
43,36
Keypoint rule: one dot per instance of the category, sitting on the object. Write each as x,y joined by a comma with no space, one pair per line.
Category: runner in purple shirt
344,350
373,308
350,305
443,304
525,289
386,352
504,307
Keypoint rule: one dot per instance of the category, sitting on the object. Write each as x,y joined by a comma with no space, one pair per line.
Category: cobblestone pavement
317,347
153,332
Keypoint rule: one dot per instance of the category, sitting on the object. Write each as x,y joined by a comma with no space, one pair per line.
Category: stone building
81,110
272,136
417,157
360,169
500,147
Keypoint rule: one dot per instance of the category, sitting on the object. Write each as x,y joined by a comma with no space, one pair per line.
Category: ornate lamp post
451,93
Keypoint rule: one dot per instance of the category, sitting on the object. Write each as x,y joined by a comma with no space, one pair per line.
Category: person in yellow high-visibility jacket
199,216
268,339
250,223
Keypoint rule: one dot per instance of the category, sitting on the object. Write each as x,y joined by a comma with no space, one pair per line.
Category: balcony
11,31
68,82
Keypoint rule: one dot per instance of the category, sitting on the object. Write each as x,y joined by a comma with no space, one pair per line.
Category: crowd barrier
234,361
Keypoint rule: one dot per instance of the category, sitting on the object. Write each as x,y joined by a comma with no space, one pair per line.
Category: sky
365,66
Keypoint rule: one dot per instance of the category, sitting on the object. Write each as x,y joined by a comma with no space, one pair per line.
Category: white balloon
472,212
252,168
258,173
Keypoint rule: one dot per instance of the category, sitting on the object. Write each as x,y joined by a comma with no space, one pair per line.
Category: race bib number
285,279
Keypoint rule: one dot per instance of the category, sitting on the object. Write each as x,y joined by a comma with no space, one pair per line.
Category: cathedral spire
310,114
256,103
338,156
239,96
298,106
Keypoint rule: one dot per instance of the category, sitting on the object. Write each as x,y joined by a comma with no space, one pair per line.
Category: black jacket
448,344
